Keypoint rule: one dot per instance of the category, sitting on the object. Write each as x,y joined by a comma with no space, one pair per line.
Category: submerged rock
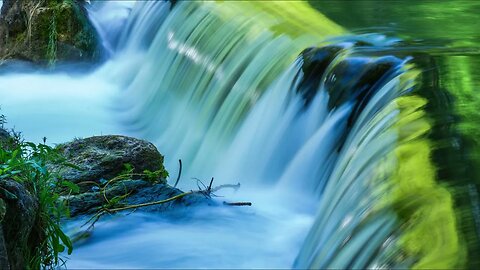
46,31
107,168
18,213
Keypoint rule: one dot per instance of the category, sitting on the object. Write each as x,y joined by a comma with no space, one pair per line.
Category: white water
218,95
109,17
62,106
258,237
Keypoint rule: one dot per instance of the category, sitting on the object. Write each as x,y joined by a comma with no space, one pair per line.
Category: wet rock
347,79
315,63
46,31
18,212
137,192
99,159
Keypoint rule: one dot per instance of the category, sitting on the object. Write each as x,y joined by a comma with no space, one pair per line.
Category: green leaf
7,194
72,186
60,248
65,240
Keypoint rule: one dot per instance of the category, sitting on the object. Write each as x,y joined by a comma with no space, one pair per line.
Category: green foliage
153,177
52,41
158,176
3,120
26,163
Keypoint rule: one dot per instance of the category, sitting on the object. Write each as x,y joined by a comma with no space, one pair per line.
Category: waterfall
225,94
193,102
278,97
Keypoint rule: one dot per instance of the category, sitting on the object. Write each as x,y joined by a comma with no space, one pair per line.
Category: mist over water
216,237
34,109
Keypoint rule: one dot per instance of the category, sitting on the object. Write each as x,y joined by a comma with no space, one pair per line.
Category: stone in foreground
99,163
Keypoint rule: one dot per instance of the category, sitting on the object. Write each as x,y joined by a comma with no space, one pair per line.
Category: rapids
325,130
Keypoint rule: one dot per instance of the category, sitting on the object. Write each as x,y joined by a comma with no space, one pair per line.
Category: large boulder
46,31
108,167
18,235
101,158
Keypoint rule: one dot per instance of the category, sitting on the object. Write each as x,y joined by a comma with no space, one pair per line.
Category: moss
20,38
56,30
51,54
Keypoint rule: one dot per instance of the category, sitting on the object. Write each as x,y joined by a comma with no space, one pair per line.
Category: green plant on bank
52,41
26,163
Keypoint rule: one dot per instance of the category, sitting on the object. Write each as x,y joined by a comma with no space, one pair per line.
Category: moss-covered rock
109,167
100,158
47,31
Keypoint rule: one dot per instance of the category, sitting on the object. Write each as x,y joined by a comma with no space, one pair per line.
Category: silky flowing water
355,137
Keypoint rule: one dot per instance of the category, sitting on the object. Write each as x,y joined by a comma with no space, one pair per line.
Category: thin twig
238,203
151,203
179,173
120,177
209,189
199,181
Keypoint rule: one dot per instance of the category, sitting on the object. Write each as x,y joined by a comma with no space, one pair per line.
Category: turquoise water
362,153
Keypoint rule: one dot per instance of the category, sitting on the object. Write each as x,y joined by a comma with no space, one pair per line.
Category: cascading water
329,143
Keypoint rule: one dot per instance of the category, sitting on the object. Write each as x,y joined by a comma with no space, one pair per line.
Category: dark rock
315,64
4,264
346,79
46,31
139,192
20,209
6,139
102,158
